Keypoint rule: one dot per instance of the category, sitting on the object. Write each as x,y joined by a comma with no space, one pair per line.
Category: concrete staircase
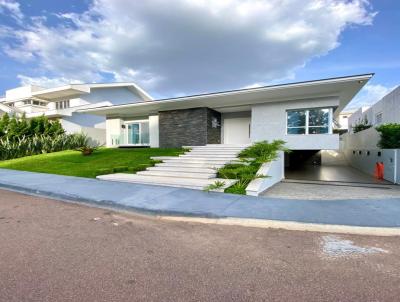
195,169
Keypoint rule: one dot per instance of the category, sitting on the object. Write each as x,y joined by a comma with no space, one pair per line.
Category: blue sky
200,45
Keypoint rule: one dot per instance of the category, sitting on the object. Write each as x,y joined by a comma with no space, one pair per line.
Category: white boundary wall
361,152
275,172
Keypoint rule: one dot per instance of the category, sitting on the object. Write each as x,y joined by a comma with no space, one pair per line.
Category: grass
73,163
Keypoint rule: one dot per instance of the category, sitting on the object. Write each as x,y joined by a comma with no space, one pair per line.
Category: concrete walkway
186,202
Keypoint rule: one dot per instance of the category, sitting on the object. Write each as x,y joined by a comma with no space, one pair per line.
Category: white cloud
369,95
11,7
187,45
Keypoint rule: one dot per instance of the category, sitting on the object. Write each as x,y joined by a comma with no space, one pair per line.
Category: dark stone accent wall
190,127
213,127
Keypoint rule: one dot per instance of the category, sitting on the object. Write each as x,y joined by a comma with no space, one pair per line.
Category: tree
4,121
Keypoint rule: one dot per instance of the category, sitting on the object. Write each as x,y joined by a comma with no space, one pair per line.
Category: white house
301,114
386,110
63,103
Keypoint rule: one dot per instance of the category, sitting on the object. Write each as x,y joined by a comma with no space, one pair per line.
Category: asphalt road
54,251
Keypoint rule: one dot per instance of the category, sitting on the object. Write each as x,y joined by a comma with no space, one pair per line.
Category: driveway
323,191
339,173
335,182
54,251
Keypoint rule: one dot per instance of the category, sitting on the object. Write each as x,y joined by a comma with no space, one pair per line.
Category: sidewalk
193,203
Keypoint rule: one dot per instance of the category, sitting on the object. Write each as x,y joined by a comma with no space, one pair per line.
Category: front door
237,130
138,133
134,134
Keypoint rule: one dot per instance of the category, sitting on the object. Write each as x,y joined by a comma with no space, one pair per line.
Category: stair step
177,174
190,165
181,169
211,154
216,148
234,153
197,160
220,146
210,163
208,157
197,184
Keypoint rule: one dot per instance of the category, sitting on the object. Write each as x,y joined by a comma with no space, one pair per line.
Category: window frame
380,114
307,126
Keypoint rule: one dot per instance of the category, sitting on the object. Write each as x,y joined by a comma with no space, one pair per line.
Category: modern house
386,110
63,102
302,114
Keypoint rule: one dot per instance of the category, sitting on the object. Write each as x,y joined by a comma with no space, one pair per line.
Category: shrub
217,185
14,128
360,126
390,136
263,152
38,144
252,158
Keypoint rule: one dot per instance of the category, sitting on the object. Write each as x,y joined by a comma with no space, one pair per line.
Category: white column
113,129
154,131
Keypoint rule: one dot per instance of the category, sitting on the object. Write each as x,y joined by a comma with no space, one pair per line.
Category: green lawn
74,164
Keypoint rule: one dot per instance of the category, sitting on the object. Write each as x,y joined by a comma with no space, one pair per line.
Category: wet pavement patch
334,246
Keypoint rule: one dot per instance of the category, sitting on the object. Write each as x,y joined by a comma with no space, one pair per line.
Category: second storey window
62,104
309,121
378,119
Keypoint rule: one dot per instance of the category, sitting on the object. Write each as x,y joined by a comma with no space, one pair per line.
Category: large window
309,121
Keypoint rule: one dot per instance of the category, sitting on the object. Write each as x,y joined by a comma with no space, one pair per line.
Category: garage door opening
318,166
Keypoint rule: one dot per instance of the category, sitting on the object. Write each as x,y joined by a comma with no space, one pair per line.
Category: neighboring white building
387,110
342,121
63,102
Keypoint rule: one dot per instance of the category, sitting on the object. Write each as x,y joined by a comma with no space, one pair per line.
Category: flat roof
344,88
61,92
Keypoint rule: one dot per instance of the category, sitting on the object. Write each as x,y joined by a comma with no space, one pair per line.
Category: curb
290,225
228,221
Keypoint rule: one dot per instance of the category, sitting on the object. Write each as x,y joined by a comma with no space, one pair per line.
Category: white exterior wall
113,95
235,127
113,128
361,151
268,122
343,120
22,92
389,106
154,131
275,172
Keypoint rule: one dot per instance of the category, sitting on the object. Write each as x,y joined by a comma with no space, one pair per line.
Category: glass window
296,122
378,118
296,130
309,121
318,117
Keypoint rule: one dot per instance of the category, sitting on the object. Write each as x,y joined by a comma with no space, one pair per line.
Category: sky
182,47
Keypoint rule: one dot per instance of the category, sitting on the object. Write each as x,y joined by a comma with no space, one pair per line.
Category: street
56,251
